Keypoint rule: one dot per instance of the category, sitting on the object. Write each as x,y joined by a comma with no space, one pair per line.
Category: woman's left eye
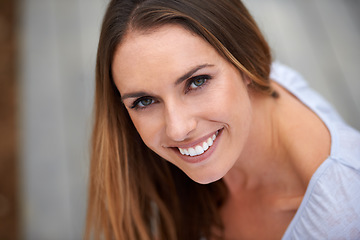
197,82
142,103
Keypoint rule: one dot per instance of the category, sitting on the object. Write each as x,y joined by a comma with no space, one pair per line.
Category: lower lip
202,157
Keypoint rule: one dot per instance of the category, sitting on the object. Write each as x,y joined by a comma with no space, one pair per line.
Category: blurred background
47,60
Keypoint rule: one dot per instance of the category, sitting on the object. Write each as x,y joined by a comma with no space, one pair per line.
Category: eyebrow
177,82
133,95
191,72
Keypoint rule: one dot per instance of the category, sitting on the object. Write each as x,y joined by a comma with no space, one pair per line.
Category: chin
207,178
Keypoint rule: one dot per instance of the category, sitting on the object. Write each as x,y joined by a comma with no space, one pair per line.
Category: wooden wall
9,210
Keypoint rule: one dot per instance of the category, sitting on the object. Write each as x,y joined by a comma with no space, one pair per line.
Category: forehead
158,53
157,39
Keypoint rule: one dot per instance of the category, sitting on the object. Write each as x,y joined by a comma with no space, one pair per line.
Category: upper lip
195,143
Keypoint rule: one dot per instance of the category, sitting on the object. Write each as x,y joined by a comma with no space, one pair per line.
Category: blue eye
145,102
198,82
142,102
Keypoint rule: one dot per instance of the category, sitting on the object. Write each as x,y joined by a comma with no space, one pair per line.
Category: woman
194,138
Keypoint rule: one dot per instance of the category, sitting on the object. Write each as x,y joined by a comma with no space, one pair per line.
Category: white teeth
199,149
205,146
192,152
210,142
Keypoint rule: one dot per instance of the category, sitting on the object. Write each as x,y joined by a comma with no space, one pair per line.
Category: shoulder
347,146
331,209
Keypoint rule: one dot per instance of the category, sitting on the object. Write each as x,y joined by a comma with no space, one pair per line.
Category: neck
272,162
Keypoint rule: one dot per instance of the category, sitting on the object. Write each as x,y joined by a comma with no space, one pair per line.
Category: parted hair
133,192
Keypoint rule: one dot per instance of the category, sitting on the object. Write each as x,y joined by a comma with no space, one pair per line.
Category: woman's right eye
142,103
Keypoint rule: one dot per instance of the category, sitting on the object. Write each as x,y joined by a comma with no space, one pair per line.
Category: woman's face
188,103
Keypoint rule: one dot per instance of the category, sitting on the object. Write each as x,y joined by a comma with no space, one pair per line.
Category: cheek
148,127
232,102
241,113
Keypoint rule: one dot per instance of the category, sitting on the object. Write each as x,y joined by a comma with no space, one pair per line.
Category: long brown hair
134,193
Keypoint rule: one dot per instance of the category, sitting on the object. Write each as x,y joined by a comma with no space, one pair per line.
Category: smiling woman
193,137
186,103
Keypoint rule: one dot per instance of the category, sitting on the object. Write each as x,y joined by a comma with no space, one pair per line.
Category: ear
246,79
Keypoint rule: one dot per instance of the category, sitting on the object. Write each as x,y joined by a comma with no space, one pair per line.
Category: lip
200,140
205,155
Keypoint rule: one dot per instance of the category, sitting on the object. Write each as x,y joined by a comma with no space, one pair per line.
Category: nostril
179,122
180,131
177,135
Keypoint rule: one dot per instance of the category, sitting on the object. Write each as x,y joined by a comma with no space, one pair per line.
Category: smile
200,148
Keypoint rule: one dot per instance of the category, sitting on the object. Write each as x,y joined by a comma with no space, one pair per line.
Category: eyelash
136,106
193,79
188,88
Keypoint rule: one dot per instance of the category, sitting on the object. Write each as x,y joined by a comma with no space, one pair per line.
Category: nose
180,122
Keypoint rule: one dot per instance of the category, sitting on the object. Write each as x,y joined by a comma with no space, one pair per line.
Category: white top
331,206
